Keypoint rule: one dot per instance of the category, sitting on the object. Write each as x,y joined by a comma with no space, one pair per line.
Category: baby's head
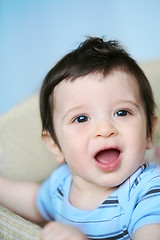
93,56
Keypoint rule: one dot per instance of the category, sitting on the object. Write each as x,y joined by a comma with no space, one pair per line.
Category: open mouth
108,159
107,155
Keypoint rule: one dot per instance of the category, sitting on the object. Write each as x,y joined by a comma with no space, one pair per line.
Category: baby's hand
60,231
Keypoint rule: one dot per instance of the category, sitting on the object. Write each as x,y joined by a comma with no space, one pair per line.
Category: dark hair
92,56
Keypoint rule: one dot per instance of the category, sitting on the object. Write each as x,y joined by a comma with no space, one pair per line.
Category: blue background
35,34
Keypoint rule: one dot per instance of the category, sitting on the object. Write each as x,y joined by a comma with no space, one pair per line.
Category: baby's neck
88,198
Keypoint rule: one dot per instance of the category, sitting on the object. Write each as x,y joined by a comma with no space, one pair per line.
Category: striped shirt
134,204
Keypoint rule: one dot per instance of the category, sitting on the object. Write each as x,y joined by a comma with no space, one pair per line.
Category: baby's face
101,127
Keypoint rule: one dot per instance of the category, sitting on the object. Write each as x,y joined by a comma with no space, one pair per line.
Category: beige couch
24,156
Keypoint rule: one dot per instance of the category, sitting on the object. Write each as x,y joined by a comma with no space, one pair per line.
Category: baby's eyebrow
128,101
73,109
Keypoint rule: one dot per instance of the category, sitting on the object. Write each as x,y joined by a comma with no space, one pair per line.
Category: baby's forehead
89,81
97,76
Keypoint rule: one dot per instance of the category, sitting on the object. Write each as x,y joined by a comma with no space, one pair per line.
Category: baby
98,117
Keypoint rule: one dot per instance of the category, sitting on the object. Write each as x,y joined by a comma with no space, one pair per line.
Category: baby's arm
148,232
20,197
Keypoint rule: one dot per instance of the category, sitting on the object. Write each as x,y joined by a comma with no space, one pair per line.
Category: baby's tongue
106,156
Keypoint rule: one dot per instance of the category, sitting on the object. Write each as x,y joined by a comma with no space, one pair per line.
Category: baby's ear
53,147
150,138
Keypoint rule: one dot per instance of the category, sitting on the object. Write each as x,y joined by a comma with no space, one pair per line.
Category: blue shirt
134,204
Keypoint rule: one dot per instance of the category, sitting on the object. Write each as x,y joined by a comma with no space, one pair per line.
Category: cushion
22,151
152,71
14,227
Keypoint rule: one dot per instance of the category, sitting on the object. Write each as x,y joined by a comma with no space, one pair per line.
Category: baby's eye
122,113
81,119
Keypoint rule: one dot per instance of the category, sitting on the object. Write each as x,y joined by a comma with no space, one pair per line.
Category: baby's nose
105,129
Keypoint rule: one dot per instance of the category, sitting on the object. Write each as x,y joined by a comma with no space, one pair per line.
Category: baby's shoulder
60,173
57,178
145,181
148,175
